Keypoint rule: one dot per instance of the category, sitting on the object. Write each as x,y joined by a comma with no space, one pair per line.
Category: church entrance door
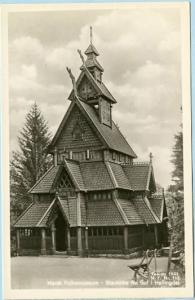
61,240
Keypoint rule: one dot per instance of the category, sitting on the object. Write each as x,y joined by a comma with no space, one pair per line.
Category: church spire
91,62
91,35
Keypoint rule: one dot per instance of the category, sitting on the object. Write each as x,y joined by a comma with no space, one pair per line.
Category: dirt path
69,272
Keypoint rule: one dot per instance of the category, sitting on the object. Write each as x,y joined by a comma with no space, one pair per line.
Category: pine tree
30,162
177,160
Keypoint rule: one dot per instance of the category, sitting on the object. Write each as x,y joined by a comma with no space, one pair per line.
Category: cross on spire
91,35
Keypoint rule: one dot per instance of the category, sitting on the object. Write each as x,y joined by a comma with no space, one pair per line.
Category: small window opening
87,154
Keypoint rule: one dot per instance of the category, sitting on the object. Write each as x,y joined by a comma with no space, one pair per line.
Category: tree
31,161
175,201
177,160
177,193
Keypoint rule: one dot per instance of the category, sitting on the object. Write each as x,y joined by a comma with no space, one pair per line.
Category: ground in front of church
72,272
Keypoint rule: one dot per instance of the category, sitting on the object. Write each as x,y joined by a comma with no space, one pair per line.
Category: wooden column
68,239
79,241
79,237
86,239
156,234
18,241
43,241
53,238
125,236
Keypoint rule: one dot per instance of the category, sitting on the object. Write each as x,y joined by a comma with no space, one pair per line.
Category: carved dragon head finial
73,82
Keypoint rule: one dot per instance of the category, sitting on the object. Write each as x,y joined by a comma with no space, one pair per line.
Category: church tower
88,132
91,62
91,88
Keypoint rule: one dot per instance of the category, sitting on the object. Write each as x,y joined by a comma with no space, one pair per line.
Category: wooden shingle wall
66,139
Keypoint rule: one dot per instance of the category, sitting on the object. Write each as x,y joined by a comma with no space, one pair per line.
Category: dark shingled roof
91,62
112,136
120,177
145,210
105,91
157,203
137,175
99,86
95,176
91,49
131,212
32,216
107,212
75,170
69,209
45,183
103,213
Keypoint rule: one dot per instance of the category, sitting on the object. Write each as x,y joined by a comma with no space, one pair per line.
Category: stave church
95,199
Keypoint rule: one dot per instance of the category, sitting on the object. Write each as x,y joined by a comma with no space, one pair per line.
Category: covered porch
60,238
67,225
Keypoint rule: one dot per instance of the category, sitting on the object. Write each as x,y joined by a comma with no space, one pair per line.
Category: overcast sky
140,53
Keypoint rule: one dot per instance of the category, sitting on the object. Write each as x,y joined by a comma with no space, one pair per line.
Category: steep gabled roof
107,212
103,213
96,176
68,206
91,49
120,179
45,183
131,212
75,170
139,175
145,209
90,63
33,214
98,86
38,213
158,203
111,135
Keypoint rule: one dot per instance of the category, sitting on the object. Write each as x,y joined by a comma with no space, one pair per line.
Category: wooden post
86,239
68,239
18,241
79,237
43,241
79,241
53,237
156,234
125,236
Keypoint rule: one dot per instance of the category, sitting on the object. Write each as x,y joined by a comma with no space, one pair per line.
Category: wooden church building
94,198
